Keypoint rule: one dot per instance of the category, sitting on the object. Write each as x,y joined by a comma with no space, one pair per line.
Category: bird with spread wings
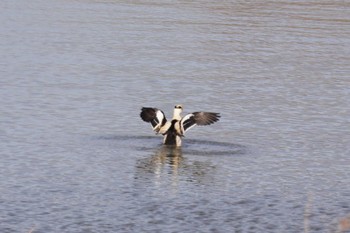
175,129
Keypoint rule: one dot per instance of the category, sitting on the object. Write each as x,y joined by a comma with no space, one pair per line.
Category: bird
174,130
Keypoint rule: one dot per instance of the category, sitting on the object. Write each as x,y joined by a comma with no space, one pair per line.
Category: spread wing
155,116
198,118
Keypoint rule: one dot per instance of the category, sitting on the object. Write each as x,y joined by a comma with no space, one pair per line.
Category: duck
174,130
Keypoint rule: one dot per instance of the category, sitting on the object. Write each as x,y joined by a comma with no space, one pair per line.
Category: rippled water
75,157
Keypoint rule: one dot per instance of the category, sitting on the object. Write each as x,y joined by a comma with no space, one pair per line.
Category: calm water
75,157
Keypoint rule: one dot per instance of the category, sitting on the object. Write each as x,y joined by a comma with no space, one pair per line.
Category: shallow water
75,156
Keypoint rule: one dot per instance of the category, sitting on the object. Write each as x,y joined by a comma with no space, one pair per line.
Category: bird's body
175,129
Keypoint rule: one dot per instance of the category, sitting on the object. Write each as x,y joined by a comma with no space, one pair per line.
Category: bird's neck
177,114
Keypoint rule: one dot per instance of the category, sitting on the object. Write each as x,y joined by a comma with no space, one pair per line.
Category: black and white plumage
175,129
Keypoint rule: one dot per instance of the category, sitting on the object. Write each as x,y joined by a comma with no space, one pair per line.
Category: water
75,156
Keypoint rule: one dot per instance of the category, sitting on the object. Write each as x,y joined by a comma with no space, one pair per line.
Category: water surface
75,156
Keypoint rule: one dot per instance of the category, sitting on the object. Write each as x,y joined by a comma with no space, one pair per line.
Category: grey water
76,157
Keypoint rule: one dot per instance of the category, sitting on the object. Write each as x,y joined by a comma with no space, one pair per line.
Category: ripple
191,146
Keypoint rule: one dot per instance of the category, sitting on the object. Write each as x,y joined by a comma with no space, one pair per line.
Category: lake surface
76,157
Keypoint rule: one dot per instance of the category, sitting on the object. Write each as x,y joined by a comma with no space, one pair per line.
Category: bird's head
177,111
179,106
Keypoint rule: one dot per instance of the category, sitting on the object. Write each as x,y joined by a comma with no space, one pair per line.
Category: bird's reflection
167,155
168,165
167,159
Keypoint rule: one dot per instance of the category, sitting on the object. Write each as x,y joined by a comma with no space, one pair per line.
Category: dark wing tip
148,114
206,118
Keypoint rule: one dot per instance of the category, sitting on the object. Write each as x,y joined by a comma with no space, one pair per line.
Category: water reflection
170,164
166,158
